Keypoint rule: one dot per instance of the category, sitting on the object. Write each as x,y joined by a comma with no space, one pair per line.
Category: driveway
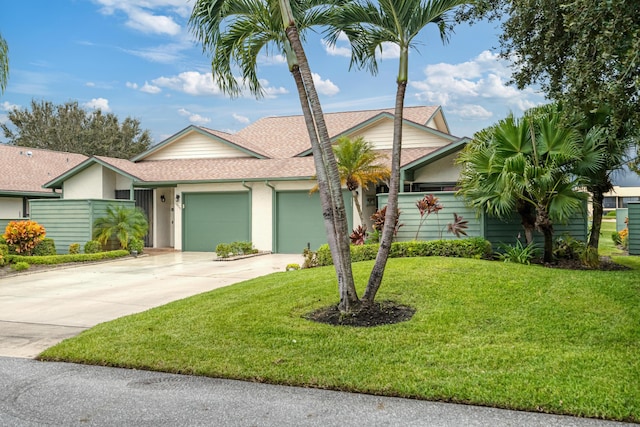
38,310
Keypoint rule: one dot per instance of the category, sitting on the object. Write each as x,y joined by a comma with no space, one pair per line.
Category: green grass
486,333
606,246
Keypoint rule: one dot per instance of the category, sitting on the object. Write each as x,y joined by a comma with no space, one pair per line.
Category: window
625,200
609,203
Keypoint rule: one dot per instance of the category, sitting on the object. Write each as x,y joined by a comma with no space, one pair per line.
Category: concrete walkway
38,310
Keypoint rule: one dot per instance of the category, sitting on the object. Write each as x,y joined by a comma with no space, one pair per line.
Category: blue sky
137,58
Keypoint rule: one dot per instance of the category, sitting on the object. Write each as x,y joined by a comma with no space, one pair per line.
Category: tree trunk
325,160
527,214
596,221
375,279
356,200
545,225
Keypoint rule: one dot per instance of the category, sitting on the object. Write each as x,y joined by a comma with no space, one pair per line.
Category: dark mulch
380,313
606,264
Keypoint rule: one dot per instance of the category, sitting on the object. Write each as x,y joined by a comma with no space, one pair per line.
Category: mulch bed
380,313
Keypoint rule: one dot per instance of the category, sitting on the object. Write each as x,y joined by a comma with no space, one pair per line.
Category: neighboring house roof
25,170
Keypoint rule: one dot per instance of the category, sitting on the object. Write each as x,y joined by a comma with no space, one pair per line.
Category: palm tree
4,64
359,166
122,223
532,161
235,32
368,25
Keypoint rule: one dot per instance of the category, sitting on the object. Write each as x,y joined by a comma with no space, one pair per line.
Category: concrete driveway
38,310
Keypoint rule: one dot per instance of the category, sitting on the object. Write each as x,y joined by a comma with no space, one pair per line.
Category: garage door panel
213,218
299,221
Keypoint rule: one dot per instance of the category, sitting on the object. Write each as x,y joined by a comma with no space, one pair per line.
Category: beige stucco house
201,187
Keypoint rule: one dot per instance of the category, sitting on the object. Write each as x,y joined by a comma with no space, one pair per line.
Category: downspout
274,224
250,209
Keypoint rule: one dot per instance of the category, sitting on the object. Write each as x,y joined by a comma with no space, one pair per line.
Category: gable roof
25,170
226,138
286,136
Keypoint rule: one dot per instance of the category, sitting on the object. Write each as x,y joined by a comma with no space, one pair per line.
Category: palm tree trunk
325,161
356,201
375,279
545,225
596,220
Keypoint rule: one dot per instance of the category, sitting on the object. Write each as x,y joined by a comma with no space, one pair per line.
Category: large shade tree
70,128
234,32
586,55
369,25
534,162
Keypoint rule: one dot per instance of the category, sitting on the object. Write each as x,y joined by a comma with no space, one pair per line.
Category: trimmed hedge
474,247
46,247
61,259
4,253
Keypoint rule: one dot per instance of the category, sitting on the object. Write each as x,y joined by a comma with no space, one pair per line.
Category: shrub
292,267
122,223
226,250
92,247
566,247
475,247
45,247
310,259
136,245
519,253
615,236
74,248
223,250
61,259
4,251
23,236
20,266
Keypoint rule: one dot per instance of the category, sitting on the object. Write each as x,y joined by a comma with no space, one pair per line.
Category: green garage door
299,221
212,218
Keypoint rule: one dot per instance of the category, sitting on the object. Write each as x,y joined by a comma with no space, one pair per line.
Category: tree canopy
70,128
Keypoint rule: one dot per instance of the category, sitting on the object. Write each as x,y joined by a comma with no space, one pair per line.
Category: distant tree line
70,128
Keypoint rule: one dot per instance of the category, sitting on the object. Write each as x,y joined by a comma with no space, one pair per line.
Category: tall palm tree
4,64
530,162
359,166
235,32
368,25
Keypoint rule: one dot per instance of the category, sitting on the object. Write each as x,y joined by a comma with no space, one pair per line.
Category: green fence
70,221
634,228
479,225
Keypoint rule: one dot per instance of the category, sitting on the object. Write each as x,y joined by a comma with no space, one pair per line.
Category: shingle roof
24,173
284,137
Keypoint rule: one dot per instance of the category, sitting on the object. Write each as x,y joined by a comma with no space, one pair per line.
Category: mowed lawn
485,332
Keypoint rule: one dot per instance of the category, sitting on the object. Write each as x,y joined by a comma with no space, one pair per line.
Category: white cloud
132,85
7,106
242,119
474,89
272,59
164,54
193,117
148,16
339,49
189,82
147,88
325,87
98,104
90,84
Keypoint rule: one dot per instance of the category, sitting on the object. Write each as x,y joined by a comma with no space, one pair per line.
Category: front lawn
485,332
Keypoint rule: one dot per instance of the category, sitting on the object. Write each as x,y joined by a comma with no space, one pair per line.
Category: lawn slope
486,333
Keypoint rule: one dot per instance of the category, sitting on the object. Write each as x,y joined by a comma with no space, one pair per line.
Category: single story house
201,187
24,172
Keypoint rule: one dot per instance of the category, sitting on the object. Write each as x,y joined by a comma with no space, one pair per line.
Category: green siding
213,218
70,221
435,225
507,231
299,223
5,221
634,228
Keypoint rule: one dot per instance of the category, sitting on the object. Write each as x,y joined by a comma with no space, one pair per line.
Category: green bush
223,250
45,247
92,247
474,247
74,248
20,266
519,253
4,251
137,245
61,259
226,250
615,236
566,247
292,267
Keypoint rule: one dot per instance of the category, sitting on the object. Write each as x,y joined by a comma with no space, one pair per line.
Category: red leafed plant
23,236
458,225
358,236
378,220
427,205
